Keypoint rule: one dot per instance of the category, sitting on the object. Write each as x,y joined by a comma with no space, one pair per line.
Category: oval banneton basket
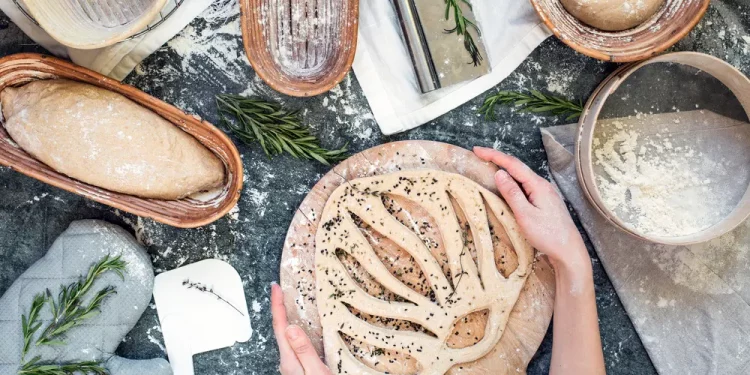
93,24
732,78
299,47
18,69
670,24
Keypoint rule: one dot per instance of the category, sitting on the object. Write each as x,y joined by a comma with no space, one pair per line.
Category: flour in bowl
656,185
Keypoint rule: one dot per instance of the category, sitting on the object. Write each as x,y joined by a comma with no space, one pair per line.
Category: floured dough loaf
104,139
427,296
612,15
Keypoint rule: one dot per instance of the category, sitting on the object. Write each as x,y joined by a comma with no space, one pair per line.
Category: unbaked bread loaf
104,139
612,15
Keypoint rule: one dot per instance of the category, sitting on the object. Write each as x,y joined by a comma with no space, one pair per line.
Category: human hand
298,355
540,212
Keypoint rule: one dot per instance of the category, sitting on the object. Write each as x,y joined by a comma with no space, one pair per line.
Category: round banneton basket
16,70
672,22
733,79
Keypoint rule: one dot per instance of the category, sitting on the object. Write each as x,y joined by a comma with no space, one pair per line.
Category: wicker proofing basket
185,213
721,70
299,47
672,22
93,24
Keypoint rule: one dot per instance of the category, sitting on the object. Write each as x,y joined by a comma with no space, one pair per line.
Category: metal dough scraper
201,307
440,58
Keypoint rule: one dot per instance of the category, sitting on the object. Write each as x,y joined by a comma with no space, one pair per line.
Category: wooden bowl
312,59
16,70
93,24
732,78
672,22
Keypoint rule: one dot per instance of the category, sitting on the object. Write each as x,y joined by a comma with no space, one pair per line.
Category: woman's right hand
539,209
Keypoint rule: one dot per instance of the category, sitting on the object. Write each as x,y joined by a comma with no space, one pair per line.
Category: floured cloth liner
83,244
690,304
118,60
510,31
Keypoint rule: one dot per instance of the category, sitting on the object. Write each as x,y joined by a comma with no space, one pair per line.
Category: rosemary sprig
461,28
276,129
31,323
534,102
68,310
34,367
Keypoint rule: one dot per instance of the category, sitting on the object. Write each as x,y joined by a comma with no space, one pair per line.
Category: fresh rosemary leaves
276,129
462,28
68,311
534,102
33,367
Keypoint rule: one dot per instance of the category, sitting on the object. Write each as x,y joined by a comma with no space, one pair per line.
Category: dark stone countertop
207,59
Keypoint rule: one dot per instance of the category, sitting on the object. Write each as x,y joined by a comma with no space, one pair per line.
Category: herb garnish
33,367
205,289
534,102
68,311
276,129
461,28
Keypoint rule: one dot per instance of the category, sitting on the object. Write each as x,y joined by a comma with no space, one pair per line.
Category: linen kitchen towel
510,31
689,304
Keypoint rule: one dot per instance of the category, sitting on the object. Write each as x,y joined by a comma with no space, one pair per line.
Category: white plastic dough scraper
201,307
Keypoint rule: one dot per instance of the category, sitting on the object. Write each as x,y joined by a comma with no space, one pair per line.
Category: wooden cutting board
532,313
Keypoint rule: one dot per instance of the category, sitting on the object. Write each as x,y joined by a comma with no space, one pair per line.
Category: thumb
305,351
122,366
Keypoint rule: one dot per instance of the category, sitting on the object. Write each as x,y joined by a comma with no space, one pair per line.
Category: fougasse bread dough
396,297
104,139
612,15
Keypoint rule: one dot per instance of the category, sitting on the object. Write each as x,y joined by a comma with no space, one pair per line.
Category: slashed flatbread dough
440,297
104,139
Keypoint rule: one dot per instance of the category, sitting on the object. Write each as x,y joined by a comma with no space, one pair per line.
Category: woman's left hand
298,355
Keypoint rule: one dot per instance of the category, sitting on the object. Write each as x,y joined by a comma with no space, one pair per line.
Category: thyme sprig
68,310
276,129
35,367
462,28
534,101
206,289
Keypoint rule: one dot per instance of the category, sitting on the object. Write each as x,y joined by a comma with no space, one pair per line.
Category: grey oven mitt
83,244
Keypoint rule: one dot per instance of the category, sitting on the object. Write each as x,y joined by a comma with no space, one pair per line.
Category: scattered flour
653,185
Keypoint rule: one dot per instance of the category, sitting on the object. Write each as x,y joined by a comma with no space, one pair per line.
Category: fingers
305,351
512,193
516,168
290,365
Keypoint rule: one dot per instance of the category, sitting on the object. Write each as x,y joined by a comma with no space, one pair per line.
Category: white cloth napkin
118,60
510,30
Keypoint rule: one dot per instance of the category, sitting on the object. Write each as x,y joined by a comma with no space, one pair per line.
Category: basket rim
233,163
260,60
600,54
140,23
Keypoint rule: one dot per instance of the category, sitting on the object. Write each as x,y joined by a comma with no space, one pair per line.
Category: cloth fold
511,30
118,60
689,304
